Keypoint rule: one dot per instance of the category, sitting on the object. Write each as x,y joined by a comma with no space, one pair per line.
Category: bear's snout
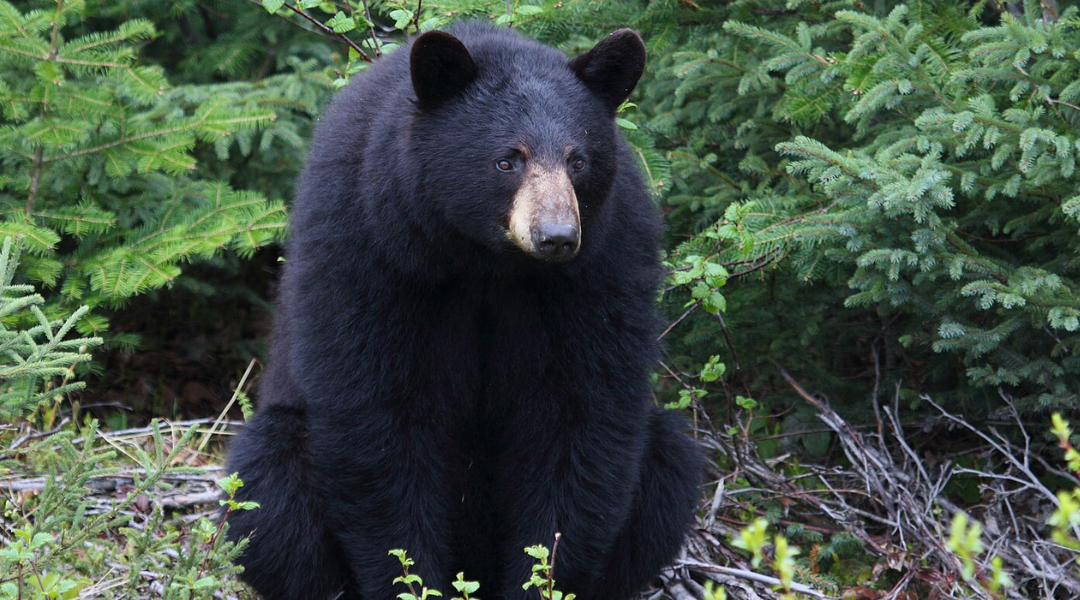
544,218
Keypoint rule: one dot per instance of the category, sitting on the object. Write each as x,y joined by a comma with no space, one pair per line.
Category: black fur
433,388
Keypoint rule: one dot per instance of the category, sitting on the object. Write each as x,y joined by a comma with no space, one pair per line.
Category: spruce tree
100,180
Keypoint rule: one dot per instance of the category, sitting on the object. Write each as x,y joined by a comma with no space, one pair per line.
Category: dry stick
34,436
1056,572
714,506
875,397
109,481
371,29
863,456
907,491
676,588
551,572
900,586
893,486
727,340
750,576
677,321
224,411
1023,467
894,421
416,16
134,431
39,151
821,530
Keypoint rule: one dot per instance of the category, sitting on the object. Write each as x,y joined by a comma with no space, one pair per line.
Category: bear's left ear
612,68
441,68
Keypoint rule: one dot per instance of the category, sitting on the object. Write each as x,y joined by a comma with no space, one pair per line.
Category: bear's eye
578,164
504,165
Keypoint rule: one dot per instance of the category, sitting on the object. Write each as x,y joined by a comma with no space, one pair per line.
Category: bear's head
517,144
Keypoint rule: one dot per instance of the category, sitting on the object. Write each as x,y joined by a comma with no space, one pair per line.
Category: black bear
460,365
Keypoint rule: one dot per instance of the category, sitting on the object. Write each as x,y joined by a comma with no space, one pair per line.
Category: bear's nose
555,241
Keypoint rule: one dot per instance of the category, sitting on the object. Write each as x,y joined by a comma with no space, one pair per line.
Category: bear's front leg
663,509
389,481
575,476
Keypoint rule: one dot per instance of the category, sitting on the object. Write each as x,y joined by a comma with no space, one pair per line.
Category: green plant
465,588
62,540
66,540
754,539
411,580
543,572
542,577
965,540
41,352
885,193
1066,517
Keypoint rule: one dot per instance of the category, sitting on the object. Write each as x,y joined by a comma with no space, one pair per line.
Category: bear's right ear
441,68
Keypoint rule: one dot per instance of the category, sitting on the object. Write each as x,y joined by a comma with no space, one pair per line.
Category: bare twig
329,32
751,576
225,411
371,29
679,320
416,16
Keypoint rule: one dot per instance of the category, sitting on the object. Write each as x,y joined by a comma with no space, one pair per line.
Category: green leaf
713,370
230,484
714,303
341,23
41,539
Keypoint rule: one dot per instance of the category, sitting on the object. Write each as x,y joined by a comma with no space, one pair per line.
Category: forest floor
881,523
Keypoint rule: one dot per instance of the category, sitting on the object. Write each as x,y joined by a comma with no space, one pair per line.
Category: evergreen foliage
99,159
57,541
40,353
887,193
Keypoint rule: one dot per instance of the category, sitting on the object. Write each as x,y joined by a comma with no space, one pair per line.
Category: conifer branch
159,133
39,150
35,178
